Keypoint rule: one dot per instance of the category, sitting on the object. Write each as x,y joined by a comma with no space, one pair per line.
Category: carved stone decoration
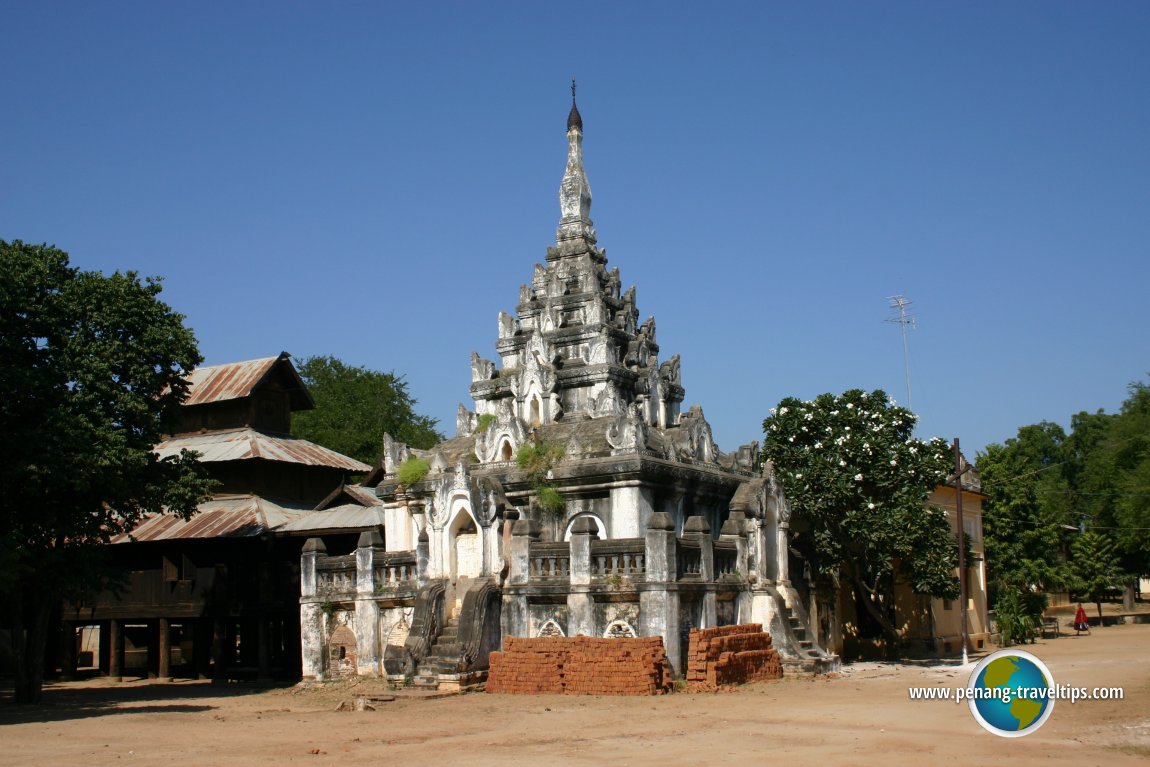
525,294
619,630
465,421
627,432
506,429
437,508
669,371
394,453
438,463
492,500
551,629
602,348
695,440
608,402
460,479
481,369
508,325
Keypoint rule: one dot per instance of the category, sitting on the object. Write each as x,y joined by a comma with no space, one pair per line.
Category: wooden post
116,654
164,668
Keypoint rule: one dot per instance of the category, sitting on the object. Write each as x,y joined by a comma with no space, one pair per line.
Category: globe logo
1011,693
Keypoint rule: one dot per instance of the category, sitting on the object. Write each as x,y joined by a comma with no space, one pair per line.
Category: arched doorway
466,552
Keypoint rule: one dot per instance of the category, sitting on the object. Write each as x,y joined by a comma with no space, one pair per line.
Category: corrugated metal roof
233,516
248,444
349,516
236,380
216,383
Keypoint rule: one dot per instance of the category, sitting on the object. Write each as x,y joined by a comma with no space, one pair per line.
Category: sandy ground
863,718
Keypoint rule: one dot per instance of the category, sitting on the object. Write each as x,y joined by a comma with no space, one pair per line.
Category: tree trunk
1128,594
874,609
29,641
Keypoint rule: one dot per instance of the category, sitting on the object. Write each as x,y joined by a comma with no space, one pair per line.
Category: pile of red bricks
730,655
580,666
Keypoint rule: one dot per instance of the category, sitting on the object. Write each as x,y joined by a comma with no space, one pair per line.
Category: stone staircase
442,658
809,657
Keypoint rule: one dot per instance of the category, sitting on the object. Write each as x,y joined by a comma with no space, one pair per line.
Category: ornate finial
573,118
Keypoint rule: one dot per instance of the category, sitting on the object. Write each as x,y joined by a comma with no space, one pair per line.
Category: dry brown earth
863,718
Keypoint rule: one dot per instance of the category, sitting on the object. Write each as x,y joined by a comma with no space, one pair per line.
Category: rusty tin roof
236,380
248,444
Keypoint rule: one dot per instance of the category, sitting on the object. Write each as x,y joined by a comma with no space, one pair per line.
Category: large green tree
92,374
1094,568
355,406
854,473
1029,514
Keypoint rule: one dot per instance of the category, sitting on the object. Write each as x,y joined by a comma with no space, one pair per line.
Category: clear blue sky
375,180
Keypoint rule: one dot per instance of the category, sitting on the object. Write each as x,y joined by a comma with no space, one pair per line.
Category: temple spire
574,120
575,191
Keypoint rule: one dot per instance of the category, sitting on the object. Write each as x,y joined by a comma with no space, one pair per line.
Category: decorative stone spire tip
574,120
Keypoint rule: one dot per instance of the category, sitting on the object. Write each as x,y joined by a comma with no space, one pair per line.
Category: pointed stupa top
575,191
574,120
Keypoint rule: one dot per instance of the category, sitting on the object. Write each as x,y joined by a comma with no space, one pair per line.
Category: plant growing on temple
412,470
92,374
538,459
858,481
354,406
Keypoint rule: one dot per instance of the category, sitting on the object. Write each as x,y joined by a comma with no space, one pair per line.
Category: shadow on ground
65,701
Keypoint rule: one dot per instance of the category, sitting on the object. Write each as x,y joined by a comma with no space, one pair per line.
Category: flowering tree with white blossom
858,480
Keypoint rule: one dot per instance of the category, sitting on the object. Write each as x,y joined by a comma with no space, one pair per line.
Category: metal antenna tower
905,321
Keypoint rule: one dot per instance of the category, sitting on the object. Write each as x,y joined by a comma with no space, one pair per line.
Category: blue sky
375,180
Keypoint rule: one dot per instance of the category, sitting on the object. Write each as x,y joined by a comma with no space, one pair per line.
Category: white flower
834,412
858,477
913,450
893,462
870,505
866,446
799,475
809,417
790,439
850,405
773,411
782,411
842,462
848,428
818,445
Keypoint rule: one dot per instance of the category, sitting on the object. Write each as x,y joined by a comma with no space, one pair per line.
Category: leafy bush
412,470
485,420
550,499
1019,615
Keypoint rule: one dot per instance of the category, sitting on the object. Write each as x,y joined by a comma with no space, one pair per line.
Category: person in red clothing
1080,622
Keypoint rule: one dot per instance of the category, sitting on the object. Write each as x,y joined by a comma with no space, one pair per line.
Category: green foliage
1018,615
1043,484
412,470
1095,566
484,421
858,479
537,460
92,374
550,499
1027,511
354,406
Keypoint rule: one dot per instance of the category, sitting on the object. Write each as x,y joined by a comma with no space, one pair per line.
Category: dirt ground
865,717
